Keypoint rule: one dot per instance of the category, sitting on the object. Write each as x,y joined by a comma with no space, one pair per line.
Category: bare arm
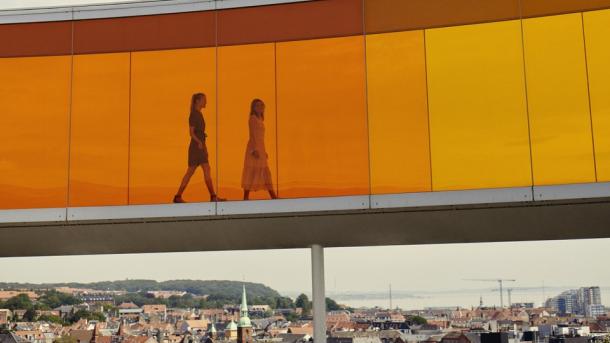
194,137
251,125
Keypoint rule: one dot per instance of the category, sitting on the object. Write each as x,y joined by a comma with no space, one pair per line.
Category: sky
411,268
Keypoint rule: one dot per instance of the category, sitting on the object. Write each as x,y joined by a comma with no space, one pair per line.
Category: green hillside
215,289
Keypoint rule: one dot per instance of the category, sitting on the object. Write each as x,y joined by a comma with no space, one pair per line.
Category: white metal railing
124,9
515,195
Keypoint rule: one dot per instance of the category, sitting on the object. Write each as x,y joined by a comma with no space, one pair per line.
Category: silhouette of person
256,174
198,152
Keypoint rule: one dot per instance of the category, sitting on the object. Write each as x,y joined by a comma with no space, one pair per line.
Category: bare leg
185,180
207,176
272,193
246,195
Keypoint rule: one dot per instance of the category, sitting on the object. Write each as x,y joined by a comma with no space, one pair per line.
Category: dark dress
197,156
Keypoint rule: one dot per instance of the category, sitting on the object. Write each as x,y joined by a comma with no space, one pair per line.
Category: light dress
256,174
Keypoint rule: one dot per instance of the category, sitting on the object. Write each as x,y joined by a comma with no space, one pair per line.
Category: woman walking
198,152
256,174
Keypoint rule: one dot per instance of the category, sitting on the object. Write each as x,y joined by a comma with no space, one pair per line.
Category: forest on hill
212,288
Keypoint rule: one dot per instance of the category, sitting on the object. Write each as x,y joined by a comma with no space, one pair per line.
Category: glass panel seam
428,112
129,133
584,42
527,107
366,106
277,150
217,105
70,99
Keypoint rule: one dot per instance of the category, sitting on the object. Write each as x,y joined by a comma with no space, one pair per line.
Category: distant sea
466,298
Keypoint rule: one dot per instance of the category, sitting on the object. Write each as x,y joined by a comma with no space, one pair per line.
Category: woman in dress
198,152
256,174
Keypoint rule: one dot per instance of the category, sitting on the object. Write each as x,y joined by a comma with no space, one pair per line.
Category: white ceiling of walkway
26,4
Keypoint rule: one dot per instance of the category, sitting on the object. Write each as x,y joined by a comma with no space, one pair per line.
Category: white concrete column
319,295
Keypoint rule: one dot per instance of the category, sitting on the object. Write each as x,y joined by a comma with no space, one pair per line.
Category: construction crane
499,281
509,291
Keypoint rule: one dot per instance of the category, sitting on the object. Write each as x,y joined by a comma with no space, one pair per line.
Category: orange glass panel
245,72
558,100
99,136
34,112
322,131
162,85
477,107
398,112
597,35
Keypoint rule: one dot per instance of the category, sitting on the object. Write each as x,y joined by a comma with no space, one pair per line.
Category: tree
141,298
185,301
304,303
291,317
98,316
332,305
284,302
417,320
19,302
54,299
84,314
29,315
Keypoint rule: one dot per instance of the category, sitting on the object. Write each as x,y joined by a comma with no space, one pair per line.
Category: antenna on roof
390,296
543,295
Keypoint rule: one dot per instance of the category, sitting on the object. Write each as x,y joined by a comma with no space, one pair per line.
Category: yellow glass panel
560,121
162,85
597,35
245,72
398,112
477,107
34,112
322,129
99,149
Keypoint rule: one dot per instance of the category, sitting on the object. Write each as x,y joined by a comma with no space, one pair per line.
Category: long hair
253,111
194,99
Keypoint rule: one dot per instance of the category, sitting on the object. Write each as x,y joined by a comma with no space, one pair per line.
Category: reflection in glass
198,150
245,72
256,175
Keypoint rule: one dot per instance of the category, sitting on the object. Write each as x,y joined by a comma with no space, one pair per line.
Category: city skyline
407,268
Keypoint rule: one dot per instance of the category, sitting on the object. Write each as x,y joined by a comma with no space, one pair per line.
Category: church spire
244,320
244,303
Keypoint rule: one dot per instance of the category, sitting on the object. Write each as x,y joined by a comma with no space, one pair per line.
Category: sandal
215,198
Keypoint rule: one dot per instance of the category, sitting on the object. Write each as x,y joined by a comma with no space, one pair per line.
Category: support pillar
319,295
